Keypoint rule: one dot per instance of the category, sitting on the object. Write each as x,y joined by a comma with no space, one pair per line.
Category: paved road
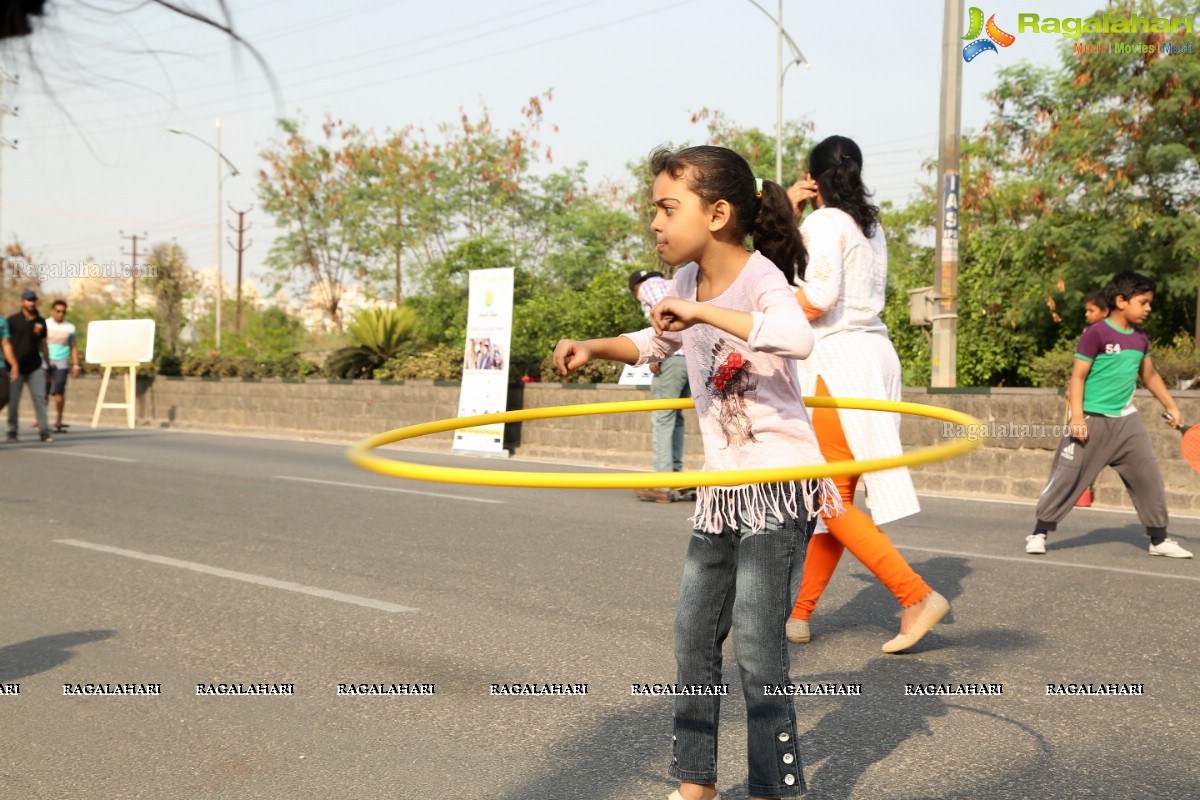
182,559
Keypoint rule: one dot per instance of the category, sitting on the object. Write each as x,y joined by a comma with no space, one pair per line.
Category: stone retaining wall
1013,464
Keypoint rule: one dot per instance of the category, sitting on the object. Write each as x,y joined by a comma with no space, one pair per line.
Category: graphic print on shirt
729,378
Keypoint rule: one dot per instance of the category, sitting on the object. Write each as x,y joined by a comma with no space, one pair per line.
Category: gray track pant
1118,442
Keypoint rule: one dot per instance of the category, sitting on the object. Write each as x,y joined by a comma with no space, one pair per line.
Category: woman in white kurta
843,293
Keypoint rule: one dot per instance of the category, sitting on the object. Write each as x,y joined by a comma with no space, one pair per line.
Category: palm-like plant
377,335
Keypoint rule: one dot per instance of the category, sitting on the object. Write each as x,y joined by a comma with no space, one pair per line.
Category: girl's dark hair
718,173
836,165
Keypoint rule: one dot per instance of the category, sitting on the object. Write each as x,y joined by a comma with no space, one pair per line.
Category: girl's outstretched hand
675,314
570,355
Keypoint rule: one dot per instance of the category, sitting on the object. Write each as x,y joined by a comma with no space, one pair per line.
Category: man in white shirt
64,355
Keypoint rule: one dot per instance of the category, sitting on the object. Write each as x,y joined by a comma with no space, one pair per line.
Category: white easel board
116,343
113,340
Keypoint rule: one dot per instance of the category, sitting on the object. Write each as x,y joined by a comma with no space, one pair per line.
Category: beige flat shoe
935,608
797,630
675,795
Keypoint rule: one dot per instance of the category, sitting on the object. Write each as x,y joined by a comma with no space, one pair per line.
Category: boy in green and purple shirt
1105,428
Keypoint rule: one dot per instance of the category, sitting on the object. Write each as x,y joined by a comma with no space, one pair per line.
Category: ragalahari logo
995,36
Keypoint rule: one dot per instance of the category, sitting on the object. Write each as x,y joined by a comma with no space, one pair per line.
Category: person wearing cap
670,381
27,332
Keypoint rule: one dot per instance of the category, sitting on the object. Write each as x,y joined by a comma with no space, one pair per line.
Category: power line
391,47
223,103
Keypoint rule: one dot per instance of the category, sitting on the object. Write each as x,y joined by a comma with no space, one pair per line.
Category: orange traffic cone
1085,499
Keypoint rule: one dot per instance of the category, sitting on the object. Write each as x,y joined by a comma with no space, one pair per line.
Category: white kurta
847,278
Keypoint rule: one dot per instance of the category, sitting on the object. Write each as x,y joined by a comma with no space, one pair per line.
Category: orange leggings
854,531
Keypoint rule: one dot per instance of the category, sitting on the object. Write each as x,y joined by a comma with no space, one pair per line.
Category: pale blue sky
94,156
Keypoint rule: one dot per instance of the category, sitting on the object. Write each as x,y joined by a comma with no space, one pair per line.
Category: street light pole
233,172
779,95
220,276
797,58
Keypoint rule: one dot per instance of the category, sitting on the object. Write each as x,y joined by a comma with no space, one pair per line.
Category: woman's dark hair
718,173
836,165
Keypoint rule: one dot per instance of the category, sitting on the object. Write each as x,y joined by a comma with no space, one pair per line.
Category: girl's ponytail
775,233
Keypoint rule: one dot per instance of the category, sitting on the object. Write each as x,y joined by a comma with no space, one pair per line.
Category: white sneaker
1169,548
1035,544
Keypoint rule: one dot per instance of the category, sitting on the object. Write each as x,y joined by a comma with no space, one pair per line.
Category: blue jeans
747,581
670,383
37,389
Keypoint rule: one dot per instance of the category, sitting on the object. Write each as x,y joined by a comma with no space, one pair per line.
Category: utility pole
241,229
945,317
133,272
400,252
5,110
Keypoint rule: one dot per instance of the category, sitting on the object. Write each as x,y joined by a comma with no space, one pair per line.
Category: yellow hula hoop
360,454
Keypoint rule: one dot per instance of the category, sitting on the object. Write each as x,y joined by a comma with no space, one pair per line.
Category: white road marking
388,489
82,455
1048,563
259,580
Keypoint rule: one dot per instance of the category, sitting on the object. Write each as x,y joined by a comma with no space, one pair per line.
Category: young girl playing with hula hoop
740,323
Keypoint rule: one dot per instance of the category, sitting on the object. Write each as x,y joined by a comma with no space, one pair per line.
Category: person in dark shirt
27,333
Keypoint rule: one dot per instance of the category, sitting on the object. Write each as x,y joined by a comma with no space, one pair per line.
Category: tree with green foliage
15,277
1083,170
319,194
268,333
172,280
491,211
404,204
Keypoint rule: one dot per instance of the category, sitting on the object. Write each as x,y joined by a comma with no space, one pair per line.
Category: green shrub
1179,362
442,363
212,365
377,335
170,364
1053,369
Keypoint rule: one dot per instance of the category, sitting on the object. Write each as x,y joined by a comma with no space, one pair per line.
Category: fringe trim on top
720,508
